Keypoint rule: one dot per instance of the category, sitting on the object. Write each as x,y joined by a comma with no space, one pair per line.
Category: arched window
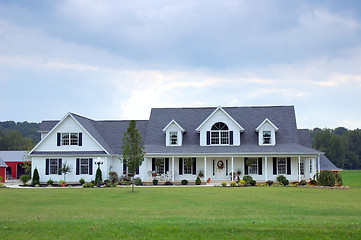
219,134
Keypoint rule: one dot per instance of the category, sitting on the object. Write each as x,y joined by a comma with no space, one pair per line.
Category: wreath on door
220,164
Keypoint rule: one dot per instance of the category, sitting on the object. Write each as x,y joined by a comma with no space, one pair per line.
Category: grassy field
183,213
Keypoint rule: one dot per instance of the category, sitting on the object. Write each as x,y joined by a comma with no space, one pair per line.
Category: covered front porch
226,167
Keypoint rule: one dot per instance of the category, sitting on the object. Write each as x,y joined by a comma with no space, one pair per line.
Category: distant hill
18,136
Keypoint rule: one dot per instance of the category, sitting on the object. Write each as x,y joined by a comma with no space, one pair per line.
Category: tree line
340,145
18,136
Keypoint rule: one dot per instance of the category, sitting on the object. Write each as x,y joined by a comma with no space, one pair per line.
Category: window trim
68,140
278,165
81,165
267,140
255,166
173,136
52,166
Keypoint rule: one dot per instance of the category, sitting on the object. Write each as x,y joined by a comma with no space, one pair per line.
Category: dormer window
174,134
219,134
267,133
173,138
266,137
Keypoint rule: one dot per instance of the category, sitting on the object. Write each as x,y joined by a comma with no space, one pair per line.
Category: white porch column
299,168
265,169
232,170
205,169
172,169
319,165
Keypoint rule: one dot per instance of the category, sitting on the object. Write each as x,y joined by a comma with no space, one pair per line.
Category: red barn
14,161
2,170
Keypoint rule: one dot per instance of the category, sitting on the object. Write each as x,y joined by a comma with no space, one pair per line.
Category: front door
220,169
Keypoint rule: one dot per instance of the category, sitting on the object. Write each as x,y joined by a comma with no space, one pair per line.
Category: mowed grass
182,213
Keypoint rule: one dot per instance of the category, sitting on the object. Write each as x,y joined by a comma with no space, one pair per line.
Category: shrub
184,182
303,182
252,182
36,178
269,182
168,183
138,181
233,184
313,182
155,181
224,184
98,176
326,178
282,180
338,179
24,179
113,177
247,179
242,182
61,182
88,185
198,181
81,181
50,182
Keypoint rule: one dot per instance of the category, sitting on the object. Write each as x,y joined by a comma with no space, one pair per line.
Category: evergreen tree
36,178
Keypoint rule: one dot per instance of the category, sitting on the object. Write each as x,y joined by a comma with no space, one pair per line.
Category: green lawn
183,213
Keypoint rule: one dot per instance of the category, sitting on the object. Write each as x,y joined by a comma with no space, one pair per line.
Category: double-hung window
219,134
281,166
188,169
53,166
253,169
173,137
84,166
266,137
160,166
69,138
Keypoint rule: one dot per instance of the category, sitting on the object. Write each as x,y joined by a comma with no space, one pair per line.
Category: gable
219,115
67,125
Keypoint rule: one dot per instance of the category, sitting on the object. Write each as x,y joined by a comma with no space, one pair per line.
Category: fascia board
229,116
269,121
175,122
52,130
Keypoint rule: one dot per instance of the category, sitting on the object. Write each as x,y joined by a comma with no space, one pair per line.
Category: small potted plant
200,173
238,172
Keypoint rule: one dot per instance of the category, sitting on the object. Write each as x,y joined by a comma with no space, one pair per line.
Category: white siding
70,126
219,116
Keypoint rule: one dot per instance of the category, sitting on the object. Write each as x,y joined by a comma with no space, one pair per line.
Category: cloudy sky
117,59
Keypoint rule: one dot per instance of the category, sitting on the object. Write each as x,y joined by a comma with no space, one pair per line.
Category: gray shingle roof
110,133
46,126
304,137
12,156
248,117
2,163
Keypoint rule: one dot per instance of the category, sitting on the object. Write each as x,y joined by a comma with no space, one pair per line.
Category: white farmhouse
262,142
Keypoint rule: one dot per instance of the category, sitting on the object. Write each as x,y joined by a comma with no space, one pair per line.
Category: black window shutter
260,166
59,166
77,166
124,167
58,139
180,166
274,166
137,170
231,137
166,165
208,138
80,139
288,166
47,166
194,166
90,166
153,164
245,166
